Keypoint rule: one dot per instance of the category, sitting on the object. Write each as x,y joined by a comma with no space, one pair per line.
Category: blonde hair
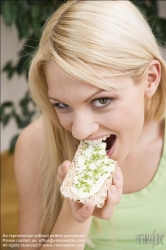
108,34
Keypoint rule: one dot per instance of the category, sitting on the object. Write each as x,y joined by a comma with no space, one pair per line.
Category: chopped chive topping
94,164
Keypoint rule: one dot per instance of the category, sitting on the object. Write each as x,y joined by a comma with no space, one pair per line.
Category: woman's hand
81,212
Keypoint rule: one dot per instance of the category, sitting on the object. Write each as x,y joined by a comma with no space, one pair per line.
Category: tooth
93,142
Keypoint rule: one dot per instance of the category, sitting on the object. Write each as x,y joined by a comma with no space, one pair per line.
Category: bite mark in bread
90,175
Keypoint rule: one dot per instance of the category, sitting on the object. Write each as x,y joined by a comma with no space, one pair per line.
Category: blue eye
101,102
60,105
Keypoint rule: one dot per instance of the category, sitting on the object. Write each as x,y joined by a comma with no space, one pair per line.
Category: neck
141,164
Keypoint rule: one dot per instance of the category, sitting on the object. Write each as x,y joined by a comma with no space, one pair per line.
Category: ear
153,78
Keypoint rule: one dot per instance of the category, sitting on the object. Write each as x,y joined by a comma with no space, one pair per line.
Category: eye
60,106
101,102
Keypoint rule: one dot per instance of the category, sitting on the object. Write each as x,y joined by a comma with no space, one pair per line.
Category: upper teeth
97,141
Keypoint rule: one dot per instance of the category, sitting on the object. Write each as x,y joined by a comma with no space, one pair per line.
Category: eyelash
57,105
101,98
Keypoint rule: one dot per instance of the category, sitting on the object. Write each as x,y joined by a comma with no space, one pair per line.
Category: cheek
132,124
135,108
65,121
128,120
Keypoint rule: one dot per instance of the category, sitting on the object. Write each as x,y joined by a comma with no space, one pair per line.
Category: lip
111,151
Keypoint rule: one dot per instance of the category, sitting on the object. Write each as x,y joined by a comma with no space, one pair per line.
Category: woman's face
90,113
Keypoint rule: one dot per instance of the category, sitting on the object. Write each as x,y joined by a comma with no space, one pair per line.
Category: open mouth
110,141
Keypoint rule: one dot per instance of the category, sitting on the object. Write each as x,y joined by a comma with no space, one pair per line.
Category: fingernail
113,189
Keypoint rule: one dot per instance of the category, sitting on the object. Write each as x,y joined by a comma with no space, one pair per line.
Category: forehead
63,85
57,76
53,68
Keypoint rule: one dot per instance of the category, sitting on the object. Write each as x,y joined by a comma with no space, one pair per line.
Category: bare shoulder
31,137
29,148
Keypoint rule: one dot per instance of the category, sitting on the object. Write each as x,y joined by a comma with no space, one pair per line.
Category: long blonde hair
107,34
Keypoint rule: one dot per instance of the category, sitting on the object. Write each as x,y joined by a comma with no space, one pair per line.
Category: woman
98,71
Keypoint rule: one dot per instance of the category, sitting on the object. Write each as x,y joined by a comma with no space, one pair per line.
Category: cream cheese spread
92,169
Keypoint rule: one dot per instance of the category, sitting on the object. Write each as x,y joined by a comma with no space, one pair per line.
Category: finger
62,170
118,182
107,210
59,179
82,212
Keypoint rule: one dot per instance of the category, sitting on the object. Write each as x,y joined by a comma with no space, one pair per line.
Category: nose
84,126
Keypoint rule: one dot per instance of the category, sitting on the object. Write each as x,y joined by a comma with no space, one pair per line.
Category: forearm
65,227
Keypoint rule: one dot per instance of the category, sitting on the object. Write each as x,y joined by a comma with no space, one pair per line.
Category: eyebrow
86,100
